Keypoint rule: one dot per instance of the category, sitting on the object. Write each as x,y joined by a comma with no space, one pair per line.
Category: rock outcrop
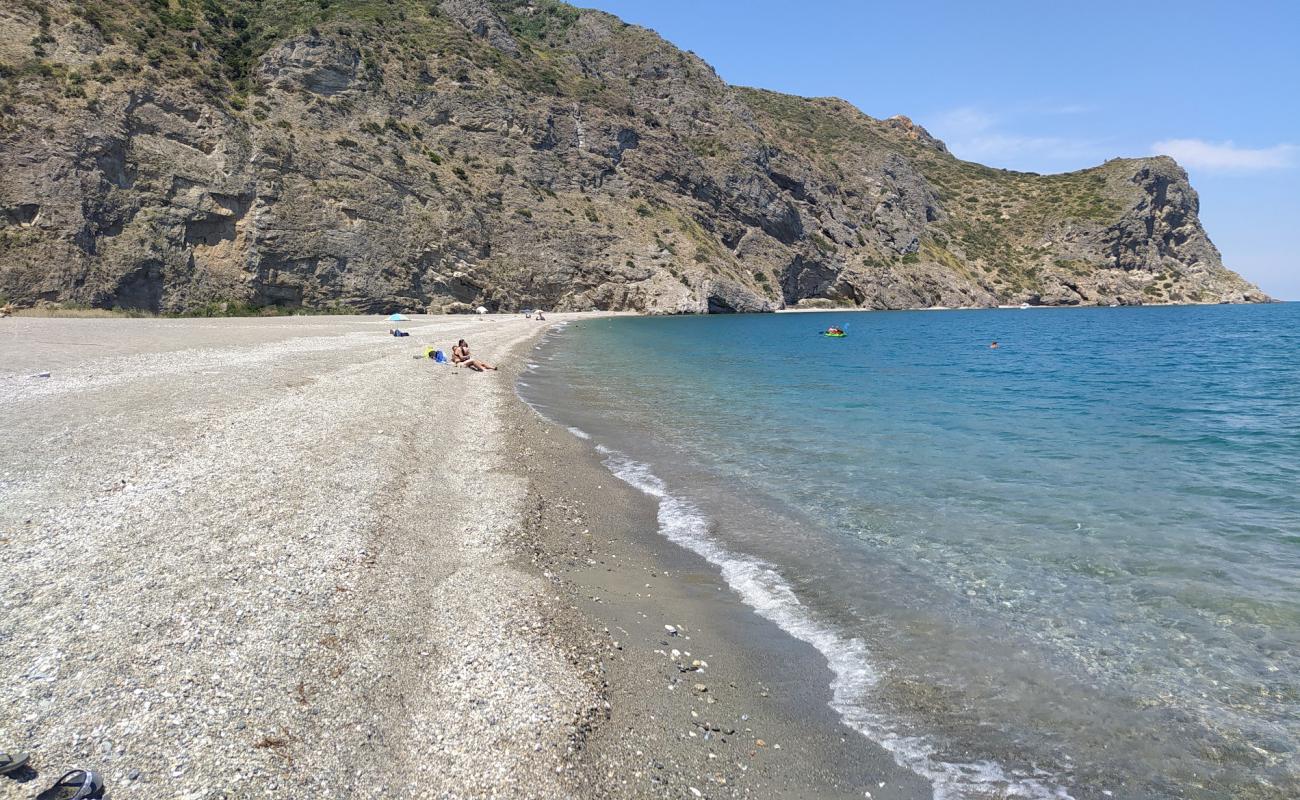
415,156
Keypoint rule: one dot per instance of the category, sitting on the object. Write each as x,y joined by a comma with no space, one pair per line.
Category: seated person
461,358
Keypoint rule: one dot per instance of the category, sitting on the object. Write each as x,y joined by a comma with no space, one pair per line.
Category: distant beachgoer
993,346
541,316
461,358
834,330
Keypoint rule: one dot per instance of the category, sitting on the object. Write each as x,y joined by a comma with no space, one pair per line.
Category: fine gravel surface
256,558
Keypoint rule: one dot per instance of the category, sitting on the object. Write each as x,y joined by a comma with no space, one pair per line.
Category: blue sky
1049,86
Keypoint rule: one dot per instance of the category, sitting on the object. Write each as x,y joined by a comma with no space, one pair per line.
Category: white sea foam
579,432
761,587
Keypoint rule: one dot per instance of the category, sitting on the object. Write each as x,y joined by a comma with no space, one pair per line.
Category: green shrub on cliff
583,146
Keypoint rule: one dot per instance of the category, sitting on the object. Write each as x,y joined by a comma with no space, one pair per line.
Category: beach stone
297,644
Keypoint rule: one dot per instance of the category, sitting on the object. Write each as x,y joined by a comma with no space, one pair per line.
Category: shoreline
80,313
290,557
1080,720
723,701
307,564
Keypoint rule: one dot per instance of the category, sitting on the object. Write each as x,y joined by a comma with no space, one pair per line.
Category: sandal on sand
11,762
79,784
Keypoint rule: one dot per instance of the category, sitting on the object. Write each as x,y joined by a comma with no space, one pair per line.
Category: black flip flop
12,762
79,784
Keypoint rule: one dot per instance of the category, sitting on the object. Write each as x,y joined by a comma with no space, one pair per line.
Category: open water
1068,566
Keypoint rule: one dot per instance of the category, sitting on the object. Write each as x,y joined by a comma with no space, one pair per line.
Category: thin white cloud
962,122
1226,156
977,135
1072,109
1001,146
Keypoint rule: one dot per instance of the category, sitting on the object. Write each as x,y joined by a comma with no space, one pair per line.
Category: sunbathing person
461,358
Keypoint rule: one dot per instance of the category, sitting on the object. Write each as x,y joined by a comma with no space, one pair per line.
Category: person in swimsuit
461,358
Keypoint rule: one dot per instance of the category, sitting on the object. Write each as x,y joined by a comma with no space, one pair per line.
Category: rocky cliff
168,155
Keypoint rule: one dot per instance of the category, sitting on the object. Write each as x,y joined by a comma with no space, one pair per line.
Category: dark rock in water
460,153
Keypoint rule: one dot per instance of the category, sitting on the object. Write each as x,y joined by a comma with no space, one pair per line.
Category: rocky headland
196,157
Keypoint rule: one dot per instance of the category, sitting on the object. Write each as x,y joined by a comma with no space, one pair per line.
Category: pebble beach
270,558
290,557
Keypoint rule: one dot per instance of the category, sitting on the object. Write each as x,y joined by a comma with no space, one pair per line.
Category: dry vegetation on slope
183,155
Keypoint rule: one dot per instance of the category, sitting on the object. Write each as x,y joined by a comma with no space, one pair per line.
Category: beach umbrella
482,309
398,318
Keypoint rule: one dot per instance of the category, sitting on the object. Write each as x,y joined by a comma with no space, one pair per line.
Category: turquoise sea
1065,567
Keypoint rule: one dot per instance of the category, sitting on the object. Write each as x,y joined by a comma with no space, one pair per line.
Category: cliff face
401,155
